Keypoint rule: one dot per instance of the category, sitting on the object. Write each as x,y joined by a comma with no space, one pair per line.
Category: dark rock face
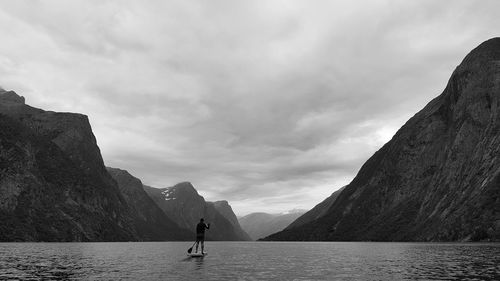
438,179
53,185
260,225
150,221
10,98
223,208
182,204
316,212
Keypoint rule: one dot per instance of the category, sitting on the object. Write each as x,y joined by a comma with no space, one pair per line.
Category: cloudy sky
271,105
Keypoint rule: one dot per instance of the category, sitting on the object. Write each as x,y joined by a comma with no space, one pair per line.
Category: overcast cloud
271,105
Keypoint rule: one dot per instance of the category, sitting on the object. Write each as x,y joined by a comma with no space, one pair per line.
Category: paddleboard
197,255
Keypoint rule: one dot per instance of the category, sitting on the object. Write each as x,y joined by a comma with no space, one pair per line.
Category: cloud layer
272,105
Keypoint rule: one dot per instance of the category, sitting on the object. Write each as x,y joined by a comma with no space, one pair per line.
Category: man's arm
207,226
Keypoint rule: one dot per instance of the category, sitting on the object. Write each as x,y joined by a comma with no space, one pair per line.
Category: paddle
191,249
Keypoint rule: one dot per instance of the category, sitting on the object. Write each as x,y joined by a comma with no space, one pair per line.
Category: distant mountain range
437,179
260,225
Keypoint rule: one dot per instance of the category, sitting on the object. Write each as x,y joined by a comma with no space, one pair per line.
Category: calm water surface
250,261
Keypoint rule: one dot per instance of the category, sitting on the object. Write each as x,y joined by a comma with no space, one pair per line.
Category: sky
271,105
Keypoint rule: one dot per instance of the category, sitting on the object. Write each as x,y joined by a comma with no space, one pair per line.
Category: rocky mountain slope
182,204
260,225
223,208
316,212
53,183
438,178
152,224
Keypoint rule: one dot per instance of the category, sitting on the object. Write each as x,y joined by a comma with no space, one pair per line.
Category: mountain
152,224
226,211
316,212
53,184
260,225
182,204
438,178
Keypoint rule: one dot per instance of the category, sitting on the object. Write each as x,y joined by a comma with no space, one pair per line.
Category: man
200,234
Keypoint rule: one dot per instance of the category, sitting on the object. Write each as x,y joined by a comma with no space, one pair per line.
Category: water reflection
199,263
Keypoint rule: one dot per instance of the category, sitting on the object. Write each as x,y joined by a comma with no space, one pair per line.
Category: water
250,261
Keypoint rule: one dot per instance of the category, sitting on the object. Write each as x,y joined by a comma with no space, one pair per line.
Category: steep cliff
438,179
53,185
182,204
151,223
226,211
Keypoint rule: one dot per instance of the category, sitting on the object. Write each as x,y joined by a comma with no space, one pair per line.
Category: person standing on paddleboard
200,234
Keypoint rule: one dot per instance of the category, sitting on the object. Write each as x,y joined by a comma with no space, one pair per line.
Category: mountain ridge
53,183
437,179
317,211
182,204
153,224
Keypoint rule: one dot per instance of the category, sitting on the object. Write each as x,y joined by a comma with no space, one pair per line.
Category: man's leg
202,246
197,242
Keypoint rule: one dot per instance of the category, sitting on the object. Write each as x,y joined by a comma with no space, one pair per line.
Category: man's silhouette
200,234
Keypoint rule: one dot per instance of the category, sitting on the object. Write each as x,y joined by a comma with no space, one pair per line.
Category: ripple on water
250,261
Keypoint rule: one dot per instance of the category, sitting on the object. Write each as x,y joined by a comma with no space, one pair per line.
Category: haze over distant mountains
438,179
316,212
260,225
